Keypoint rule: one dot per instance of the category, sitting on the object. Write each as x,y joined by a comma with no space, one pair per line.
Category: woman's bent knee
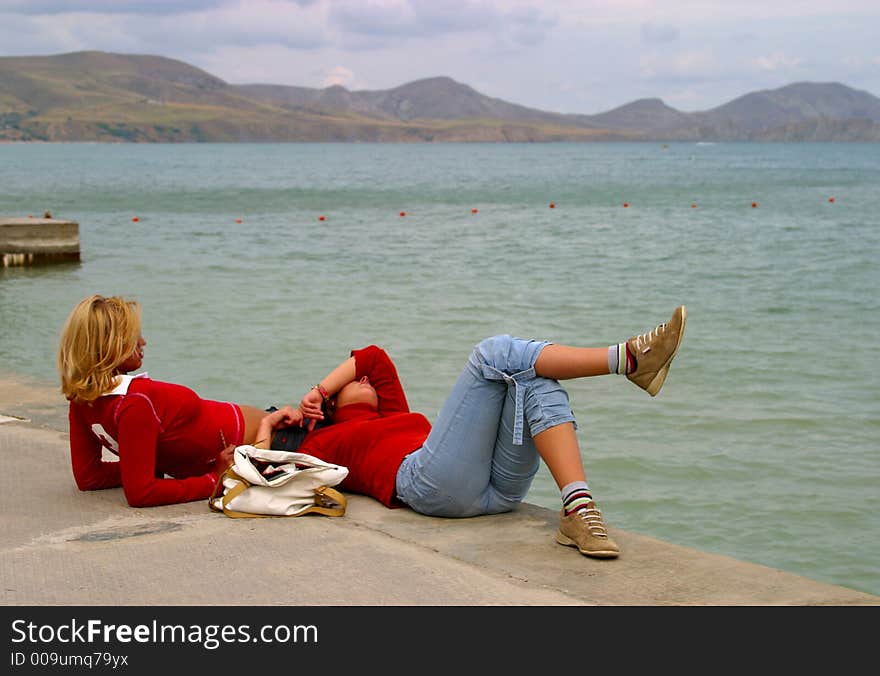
490,349
508,354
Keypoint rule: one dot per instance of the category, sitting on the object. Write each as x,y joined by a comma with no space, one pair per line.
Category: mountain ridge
104,96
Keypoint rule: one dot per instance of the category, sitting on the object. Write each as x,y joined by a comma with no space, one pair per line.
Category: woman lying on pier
505,413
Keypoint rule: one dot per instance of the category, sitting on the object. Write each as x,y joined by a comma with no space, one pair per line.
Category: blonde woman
172,445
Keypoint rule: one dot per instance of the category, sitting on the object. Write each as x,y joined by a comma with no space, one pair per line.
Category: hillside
98,96
644,115
804,111
95,96
766,115
438,98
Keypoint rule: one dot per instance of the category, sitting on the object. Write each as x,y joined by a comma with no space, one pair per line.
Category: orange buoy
238,220
552,205
403,213
626,205
754,205
693,205
831,199
135,219
473,211
321,218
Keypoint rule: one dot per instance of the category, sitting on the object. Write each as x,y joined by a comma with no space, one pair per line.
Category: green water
764,443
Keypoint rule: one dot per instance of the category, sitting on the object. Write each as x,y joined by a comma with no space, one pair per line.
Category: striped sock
620,359
575,496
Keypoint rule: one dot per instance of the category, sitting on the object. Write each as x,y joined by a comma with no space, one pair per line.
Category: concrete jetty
31,240
63,547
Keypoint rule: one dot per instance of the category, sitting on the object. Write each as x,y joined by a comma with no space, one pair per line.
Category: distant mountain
804,105
437,98
797,103
804,111
644,115
98,96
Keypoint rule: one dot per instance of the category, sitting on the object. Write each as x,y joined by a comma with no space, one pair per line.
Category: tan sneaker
654,352
586,530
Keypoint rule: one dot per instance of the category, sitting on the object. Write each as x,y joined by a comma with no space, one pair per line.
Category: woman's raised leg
643,359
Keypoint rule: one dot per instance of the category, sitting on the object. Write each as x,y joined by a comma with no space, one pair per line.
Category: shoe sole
563,539
654,386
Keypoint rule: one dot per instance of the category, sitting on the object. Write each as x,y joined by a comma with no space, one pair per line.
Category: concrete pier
62,547
31,241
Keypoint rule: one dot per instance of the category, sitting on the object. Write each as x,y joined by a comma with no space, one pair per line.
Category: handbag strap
328,501
219,488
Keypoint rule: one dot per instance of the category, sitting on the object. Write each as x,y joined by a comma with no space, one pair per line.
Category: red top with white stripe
156,429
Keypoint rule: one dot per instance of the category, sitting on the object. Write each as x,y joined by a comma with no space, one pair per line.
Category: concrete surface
25,241
60,546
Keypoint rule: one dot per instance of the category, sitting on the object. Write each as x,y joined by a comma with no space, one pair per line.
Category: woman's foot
585,529
654,351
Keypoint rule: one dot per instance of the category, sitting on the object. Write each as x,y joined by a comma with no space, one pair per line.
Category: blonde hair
99,335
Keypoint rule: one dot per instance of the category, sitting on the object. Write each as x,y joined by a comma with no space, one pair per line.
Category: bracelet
324,393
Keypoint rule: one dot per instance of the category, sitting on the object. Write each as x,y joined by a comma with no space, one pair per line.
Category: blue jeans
480,457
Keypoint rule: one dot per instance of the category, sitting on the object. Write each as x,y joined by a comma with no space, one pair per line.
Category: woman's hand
224,461
310,405
286,416
330,385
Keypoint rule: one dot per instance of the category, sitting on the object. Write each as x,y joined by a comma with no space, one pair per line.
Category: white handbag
263,482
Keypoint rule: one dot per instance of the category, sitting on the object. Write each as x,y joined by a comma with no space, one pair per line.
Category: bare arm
334,381
286,416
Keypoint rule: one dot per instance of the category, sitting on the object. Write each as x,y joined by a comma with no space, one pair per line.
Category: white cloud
529,25
777,61
682,99
340,75
409,18
678,65
653,33
50,7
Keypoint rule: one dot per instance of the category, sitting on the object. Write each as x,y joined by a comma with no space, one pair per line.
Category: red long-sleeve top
371,442
156,429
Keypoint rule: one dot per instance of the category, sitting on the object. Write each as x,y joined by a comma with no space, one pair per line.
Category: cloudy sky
569,56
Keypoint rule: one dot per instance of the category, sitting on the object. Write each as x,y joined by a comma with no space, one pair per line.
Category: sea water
261,266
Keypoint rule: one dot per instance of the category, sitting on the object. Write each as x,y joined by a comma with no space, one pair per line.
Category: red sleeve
90,471
374,362
139,429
